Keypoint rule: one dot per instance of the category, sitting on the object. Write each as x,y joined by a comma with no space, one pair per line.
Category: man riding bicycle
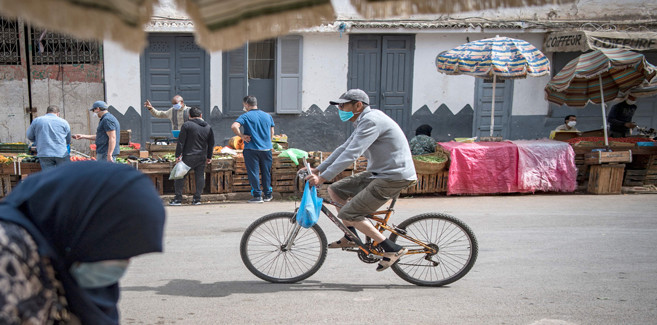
390,169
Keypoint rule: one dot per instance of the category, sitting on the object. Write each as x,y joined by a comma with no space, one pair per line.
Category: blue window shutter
288,80
235,81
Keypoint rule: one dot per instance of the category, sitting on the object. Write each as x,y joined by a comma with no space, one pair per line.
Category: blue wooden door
382,65
483,107
172,64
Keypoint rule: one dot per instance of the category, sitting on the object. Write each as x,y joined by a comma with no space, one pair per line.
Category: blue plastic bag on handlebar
310,206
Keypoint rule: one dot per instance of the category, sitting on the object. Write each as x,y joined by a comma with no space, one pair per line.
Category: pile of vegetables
80,158
5,160
431,158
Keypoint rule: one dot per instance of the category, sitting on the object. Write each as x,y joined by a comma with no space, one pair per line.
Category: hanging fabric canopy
221,24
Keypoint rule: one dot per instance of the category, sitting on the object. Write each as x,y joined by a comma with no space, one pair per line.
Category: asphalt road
543,259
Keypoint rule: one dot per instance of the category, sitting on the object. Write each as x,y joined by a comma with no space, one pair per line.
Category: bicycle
441,248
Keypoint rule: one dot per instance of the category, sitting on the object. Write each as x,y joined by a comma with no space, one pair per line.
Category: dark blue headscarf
87,212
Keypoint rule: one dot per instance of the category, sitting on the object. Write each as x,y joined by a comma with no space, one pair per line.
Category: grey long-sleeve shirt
381,141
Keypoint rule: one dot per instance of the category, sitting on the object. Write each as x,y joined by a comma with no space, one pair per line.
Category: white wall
433,88
325,64
216,92
122,77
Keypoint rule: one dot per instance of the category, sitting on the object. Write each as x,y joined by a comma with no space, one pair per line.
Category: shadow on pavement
194,288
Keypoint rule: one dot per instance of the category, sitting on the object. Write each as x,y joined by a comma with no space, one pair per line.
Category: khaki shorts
368,194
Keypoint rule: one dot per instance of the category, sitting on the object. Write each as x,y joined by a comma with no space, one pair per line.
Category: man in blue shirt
52,137
107,145
258,131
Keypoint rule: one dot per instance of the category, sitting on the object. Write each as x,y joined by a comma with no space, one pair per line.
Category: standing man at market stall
52,136
107,145
194,148
177,114
257,135
620,117
390,169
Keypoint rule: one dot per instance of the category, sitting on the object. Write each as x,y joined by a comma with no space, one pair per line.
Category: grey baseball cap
99,104
352,95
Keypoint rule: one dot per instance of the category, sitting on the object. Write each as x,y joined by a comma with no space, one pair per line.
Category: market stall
510,167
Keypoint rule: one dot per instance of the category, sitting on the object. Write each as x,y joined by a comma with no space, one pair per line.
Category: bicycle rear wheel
454,241
263,250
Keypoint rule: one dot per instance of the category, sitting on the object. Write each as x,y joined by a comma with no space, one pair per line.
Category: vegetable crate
221,181
428,183
124,138
600,157
606,179
5,185
14,147
283,173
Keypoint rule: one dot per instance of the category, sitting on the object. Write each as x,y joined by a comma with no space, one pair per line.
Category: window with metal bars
53,48
10,50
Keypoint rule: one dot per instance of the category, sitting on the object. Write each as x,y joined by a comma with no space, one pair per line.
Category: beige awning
582,41
223,24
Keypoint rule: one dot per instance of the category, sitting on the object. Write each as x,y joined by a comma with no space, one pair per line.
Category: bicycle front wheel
453,240
264,250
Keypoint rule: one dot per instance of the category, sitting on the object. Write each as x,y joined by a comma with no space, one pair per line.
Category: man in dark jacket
195,145
620,118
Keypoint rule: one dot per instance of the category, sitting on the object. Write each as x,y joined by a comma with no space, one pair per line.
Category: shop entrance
172,64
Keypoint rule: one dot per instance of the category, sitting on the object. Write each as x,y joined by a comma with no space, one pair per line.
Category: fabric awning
582,41
223,24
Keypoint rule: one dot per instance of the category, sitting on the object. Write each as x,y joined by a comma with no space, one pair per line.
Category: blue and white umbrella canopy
492,58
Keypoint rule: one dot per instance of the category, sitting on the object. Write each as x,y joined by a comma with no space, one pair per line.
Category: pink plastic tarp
482,167
546,165
509,167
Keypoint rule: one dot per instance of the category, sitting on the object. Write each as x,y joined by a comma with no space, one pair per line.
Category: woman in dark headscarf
422,143
66,236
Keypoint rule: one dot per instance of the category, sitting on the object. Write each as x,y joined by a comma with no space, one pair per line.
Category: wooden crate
241,182
125,137
651,177
158,182
428,183
27,168
223,164
155,168
606,179
634,177
221,182
652,162
5,185
600,157
126,153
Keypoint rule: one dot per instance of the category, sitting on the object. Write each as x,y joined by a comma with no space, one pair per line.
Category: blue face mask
345,116
177,106
99,274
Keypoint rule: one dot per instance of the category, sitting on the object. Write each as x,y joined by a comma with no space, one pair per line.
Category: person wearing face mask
258,131
177,114
66,238
569,124
620,118
107,133
390,169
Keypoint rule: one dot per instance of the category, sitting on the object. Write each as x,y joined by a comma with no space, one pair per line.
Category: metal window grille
10,53
53,48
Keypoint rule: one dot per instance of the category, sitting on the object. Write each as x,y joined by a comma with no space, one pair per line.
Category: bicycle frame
381,219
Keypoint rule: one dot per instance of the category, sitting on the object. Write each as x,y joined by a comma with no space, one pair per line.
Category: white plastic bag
179,170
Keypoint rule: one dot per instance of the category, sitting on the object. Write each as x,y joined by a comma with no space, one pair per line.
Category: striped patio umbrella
599,76
499,57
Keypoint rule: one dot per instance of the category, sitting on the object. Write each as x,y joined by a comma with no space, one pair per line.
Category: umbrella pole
492,107
604,114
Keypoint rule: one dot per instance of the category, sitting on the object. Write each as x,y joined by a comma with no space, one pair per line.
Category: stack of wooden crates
606,171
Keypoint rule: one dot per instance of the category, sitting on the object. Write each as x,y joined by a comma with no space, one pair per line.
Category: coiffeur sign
582,41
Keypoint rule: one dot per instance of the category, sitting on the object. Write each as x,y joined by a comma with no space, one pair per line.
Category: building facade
295,76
